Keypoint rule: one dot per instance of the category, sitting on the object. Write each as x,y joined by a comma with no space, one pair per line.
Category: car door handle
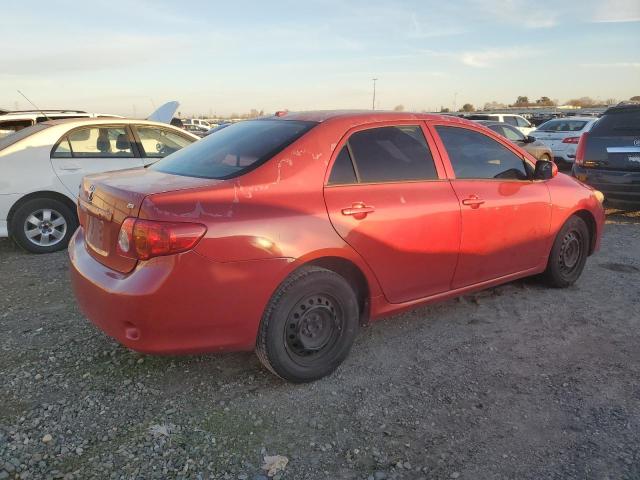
358,210
473,201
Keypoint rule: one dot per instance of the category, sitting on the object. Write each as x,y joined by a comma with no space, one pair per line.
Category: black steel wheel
568,254
309,325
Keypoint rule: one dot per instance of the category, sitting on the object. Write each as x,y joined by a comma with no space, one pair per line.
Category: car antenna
34,105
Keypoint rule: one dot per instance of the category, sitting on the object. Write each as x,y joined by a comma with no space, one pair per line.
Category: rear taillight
144,239
580,149
573,140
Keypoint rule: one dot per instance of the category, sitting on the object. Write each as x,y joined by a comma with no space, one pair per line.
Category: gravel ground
517,382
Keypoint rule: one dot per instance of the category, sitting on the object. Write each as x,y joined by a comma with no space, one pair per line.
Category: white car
516,121
14,121
562,135
42,167
198,122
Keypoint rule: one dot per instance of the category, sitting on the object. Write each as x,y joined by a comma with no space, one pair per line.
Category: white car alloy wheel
45,227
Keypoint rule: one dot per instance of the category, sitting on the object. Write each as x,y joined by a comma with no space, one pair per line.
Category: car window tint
63,150
512,134
521,122
100,142
511,120
562,126
342,172
159,142
474,155
618,123
390,154
9,127
235,149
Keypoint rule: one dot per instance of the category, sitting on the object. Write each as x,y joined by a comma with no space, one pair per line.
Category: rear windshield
618,123
562,126
234,150
20,134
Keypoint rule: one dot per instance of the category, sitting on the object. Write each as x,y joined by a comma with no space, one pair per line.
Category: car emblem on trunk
635,159
92,188
636,142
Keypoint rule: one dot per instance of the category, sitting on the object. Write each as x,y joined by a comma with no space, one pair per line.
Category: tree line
523,102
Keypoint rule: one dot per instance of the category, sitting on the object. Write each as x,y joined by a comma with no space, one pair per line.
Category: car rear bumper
175,304
618,187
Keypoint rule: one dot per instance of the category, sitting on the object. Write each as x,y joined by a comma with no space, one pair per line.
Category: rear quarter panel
274,211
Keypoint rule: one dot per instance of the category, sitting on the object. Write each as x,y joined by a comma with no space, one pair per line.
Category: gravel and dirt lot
517,382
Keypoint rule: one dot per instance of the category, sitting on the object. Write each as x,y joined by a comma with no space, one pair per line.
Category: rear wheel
308,326
43,225
568,254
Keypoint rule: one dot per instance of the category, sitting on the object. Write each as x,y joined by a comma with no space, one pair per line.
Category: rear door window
522,122
342,172
392,154
96,142
234,150
474,155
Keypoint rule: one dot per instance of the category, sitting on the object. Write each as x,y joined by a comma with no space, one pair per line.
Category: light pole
455,97
373,104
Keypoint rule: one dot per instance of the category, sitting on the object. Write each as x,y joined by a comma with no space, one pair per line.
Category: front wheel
568,254
308,326
43,225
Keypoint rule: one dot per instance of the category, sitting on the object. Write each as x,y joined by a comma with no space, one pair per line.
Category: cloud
611,65
617,11
489,57
519,13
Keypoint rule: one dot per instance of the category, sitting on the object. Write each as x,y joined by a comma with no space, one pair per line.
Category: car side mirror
545,170
529,139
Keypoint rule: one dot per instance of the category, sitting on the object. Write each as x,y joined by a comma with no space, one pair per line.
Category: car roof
78,122
365,116
565,119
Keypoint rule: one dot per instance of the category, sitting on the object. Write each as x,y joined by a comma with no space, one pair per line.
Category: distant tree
545,102
398,108
582,102
444,110
494,105
611,101
635,98
467,107
522,101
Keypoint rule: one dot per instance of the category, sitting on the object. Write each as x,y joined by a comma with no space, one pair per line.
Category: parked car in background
283,234
218,128
42,167
14,121
197,122
517,121
198,130
527,142
562,136
608,156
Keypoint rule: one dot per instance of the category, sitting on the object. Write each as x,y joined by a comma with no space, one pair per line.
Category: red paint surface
420,243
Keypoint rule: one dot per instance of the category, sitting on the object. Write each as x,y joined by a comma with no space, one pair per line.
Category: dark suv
608,156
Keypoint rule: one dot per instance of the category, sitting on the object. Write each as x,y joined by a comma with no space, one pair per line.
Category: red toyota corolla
284,234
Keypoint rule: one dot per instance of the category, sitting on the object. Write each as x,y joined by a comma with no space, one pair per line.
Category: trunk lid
107,199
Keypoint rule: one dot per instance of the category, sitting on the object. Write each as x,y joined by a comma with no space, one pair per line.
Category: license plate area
96,235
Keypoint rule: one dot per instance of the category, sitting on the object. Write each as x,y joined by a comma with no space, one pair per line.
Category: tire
568,254
308,326
43,225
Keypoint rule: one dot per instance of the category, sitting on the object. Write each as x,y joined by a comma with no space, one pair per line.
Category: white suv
14,121
516,121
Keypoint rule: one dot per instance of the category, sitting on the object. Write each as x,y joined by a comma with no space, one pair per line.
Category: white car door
93,149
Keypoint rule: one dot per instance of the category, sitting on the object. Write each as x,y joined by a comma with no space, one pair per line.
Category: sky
224,57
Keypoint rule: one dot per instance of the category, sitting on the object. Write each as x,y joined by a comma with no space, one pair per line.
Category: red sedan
284,234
